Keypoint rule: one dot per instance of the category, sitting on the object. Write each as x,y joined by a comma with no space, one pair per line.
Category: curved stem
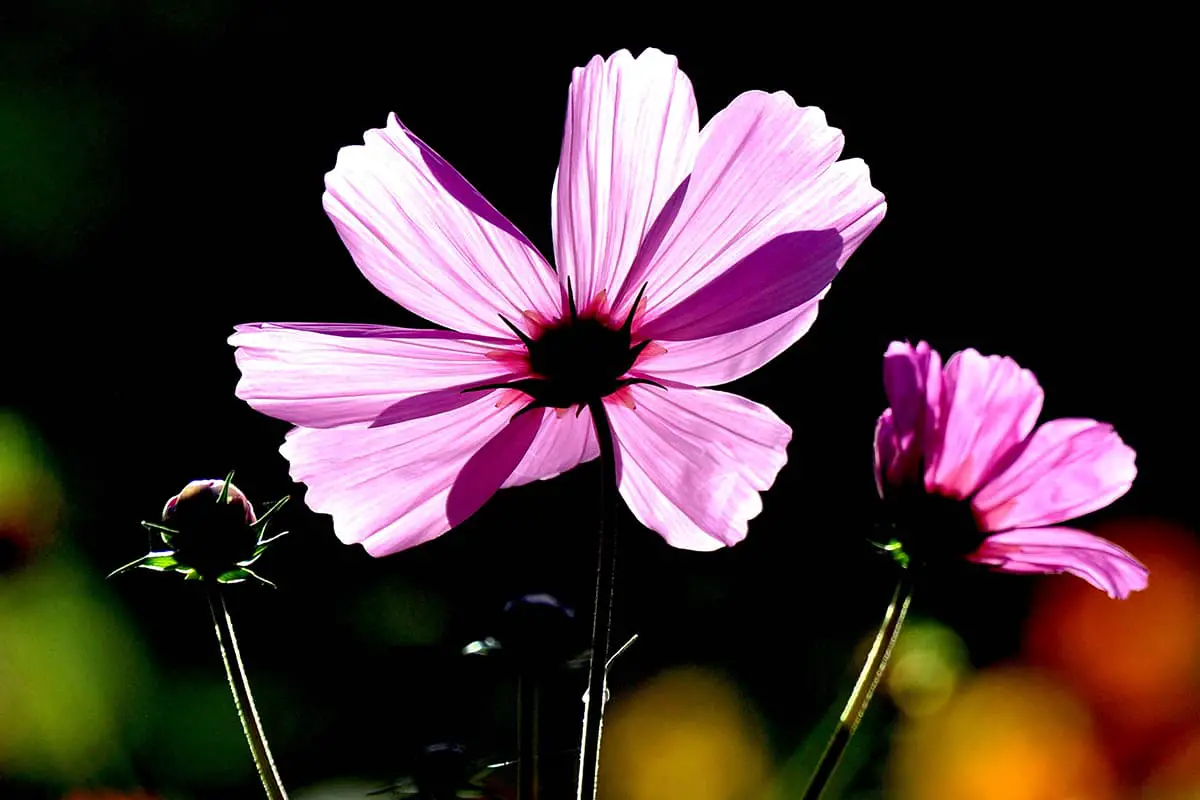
864,688
242,699
593,713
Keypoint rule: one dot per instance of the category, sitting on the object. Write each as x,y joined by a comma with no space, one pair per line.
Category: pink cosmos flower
959,462
687,258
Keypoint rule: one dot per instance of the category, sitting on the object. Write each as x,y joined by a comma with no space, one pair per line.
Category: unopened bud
211,533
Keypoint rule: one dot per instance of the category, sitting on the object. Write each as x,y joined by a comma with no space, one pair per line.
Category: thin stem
593,713
243,700
868,679
528,745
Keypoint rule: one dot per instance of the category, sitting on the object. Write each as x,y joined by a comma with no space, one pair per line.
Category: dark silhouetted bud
213,526
210,532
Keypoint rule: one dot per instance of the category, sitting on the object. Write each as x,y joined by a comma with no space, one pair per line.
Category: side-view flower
966,475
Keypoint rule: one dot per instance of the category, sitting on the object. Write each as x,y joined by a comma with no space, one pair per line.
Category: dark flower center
580,360
933,528
577,360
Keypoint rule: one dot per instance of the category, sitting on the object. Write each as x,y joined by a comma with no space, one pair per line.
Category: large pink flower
686,258
966,474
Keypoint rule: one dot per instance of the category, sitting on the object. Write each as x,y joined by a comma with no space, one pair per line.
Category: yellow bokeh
686,734
1009,734
929,662
72,675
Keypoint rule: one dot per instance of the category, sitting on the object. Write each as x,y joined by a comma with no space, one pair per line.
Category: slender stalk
528,691
864,688
593,713
243,700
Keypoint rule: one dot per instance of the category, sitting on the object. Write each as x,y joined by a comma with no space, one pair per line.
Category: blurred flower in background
71,669
30,494
928,664
1105,702
1137,664
1009,734
686,733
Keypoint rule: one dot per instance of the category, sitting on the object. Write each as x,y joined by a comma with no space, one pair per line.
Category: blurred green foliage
74,678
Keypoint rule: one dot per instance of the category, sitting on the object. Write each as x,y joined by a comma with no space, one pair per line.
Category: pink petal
323,375
1053,550
692,462
912,377
785,273
425,238
887,448
765,170
631,137
726,357
1069,467
988,406
563,442
395,487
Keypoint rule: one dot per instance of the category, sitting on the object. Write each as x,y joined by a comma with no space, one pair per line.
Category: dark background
161,177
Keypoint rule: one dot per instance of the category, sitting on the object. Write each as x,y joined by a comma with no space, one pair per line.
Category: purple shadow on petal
462,191
485,472
783,274
652,241
427,404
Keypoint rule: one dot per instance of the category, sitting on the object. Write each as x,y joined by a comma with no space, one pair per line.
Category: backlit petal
395,487
630,139
324,375
1053,550
693,461
765,202
1069,467
989,405
427,239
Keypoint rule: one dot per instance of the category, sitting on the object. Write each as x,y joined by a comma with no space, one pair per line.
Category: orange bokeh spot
1136,660
1010,734
1177,775
684,735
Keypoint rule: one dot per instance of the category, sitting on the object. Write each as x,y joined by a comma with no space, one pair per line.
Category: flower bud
211,533
538,630
213,527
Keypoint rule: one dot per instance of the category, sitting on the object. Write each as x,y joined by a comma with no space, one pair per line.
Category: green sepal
257,577
263,544
895,549
223,497
261,523
159,562
190,574
162,530
241,575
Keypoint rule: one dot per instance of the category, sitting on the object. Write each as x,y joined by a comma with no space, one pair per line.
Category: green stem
868,679
606,565
243,700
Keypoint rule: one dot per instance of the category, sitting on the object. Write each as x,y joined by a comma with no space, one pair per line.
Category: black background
1040,204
